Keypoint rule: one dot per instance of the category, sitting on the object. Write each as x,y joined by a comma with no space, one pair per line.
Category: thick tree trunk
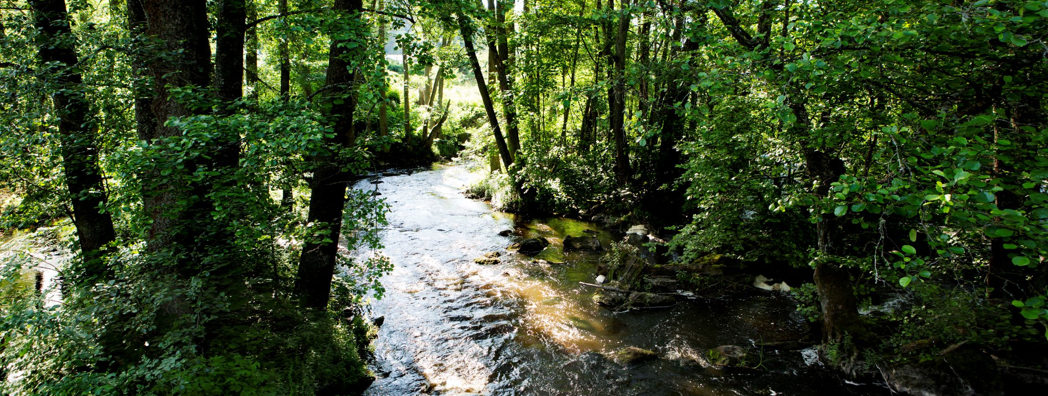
617,97
328,188
181,218
229,49
83,177
229,74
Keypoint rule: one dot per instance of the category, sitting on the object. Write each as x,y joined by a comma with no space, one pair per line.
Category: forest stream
527,327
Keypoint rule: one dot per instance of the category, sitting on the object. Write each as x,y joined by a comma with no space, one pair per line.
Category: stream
455,327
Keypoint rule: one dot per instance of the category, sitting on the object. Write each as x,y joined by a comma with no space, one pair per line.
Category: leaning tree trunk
489,108
509,111
328,188
83,177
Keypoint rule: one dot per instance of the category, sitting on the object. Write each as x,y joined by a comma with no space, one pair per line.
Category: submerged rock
650,300
633,355
532,246
608,298
728,356
490,258
505,233
584,243
966,371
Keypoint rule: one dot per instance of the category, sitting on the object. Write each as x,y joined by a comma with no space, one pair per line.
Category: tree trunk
328,188
509,111
383,118
617,97
489,108
229,50
181,219
284,53
251,52
645,63
407,100
571,87
840,311
83,177
287,196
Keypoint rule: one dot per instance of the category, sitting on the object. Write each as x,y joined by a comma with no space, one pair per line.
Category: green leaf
1031,313
905,281
1018,304
926,274
984,197
840,210
913,235
1020,261
909,249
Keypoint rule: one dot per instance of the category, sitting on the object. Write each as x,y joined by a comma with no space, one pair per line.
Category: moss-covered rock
633,355
490,258
728,356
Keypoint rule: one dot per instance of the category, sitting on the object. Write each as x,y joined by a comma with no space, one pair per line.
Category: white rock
600,279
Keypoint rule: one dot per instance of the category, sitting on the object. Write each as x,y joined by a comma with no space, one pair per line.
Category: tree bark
83,176
229,49
328,188
251,52
284,53
617,97
180,215
383,118
407,99
509,111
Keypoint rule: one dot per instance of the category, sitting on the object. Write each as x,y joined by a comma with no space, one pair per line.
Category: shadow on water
526,327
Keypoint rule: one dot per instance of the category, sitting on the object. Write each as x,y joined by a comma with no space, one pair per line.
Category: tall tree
328,187
180,213
83,177
617,97
466,29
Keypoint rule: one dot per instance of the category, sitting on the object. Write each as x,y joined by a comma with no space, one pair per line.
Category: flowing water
454,327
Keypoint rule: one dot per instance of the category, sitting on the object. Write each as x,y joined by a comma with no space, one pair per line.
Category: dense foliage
190,162
897,147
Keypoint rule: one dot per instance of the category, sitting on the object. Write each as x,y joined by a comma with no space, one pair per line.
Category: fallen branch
1023,368
627,291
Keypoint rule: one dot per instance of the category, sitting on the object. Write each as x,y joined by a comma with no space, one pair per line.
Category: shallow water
454,327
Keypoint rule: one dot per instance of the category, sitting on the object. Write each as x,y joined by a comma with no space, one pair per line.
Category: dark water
454,327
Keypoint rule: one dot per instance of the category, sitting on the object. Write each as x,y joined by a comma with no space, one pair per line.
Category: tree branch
254,23
258,21
734,27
